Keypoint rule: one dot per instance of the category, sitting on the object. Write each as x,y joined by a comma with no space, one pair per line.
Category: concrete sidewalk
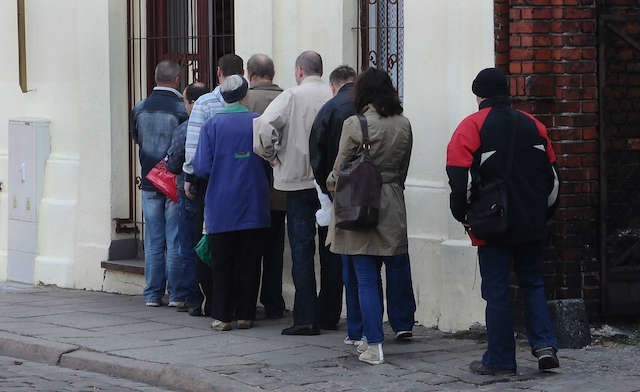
117,335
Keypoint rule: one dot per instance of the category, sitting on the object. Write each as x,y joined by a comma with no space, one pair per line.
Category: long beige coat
391,142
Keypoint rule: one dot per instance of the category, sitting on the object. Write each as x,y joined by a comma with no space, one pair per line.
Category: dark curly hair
374,86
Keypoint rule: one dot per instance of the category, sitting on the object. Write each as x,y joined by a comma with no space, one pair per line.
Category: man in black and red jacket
478,154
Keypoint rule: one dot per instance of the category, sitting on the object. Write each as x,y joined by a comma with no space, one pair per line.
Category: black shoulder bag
488,214
356,202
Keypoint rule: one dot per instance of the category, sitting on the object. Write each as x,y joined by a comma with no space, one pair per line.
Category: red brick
579,13
590,134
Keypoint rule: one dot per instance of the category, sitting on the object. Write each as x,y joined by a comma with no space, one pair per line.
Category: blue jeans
363,288
161,217
301,227
189,233
495,268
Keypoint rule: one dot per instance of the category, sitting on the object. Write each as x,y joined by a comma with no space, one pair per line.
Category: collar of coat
270,87
495,101
234,108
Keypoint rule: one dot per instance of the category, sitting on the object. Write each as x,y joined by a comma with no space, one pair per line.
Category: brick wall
549,49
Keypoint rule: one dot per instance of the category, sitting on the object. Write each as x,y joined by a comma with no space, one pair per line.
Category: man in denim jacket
152,123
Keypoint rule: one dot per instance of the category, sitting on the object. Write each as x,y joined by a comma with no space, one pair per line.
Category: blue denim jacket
153,121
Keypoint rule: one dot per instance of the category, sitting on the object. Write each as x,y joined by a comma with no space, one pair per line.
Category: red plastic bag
164,180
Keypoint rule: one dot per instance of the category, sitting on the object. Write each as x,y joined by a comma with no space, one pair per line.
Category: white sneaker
173,304
373,355
221,325
153,304
361,346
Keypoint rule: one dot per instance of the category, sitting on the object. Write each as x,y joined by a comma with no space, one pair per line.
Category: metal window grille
382,38
193,32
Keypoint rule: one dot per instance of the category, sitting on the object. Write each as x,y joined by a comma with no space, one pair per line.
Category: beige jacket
258,99
391,142
281,133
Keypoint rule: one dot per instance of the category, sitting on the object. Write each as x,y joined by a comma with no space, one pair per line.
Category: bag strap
512,143
366,143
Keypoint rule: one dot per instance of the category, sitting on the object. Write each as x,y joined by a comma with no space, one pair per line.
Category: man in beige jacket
262,91
281,136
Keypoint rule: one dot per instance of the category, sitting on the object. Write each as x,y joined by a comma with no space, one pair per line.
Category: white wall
282,29
446,44
71,60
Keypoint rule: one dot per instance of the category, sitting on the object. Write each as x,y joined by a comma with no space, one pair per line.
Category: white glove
323,215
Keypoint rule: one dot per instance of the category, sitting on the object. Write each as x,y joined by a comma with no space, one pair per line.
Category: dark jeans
301,227
330,297
235,269
495,268
189,233
271,291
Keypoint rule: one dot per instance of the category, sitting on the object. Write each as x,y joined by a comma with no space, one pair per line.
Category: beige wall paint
446,43
284,28
76,67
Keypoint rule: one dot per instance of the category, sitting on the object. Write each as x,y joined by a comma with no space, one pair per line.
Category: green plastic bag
203,250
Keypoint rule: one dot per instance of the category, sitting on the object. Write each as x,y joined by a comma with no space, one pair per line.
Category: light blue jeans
161,246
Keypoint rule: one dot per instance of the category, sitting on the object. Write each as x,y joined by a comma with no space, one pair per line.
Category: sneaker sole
548,362
371,362
404,336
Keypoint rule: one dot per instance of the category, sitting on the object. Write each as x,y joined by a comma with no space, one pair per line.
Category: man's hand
274,162
187,190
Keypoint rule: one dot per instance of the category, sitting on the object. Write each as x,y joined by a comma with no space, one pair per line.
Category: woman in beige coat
364,252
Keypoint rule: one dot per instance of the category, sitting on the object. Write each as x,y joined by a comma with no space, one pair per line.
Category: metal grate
193,32
382,38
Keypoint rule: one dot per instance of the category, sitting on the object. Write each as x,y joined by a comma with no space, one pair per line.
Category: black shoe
183,307
196,312
328,326
547,358
477,367
403,335
304,330
274,315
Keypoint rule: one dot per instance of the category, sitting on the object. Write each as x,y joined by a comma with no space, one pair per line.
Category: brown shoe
245,324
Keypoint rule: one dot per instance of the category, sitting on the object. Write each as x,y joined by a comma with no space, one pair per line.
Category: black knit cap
234,88
490,82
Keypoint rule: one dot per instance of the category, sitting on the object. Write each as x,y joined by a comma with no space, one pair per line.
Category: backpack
356,200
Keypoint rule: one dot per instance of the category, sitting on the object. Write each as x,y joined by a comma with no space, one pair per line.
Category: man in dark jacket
152,123
323,148
262,90
499,143
194,276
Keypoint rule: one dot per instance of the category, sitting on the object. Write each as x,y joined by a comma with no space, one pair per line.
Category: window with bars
382,37
193,32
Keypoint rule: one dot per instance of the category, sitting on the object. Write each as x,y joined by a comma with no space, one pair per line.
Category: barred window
382,37
196,33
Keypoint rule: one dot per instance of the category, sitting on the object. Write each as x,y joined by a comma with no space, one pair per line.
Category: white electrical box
29,147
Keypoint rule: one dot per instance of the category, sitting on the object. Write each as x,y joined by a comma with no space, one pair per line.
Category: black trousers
330,297
235,271
271,291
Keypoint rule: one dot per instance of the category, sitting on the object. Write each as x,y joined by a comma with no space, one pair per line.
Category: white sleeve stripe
554,192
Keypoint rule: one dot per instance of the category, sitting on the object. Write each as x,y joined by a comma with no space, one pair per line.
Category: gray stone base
569,319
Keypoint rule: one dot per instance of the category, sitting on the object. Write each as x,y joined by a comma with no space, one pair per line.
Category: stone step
133,266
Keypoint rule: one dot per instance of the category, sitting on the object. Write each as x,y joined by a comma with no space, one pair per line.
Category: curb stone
33,349
168,376
180,377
